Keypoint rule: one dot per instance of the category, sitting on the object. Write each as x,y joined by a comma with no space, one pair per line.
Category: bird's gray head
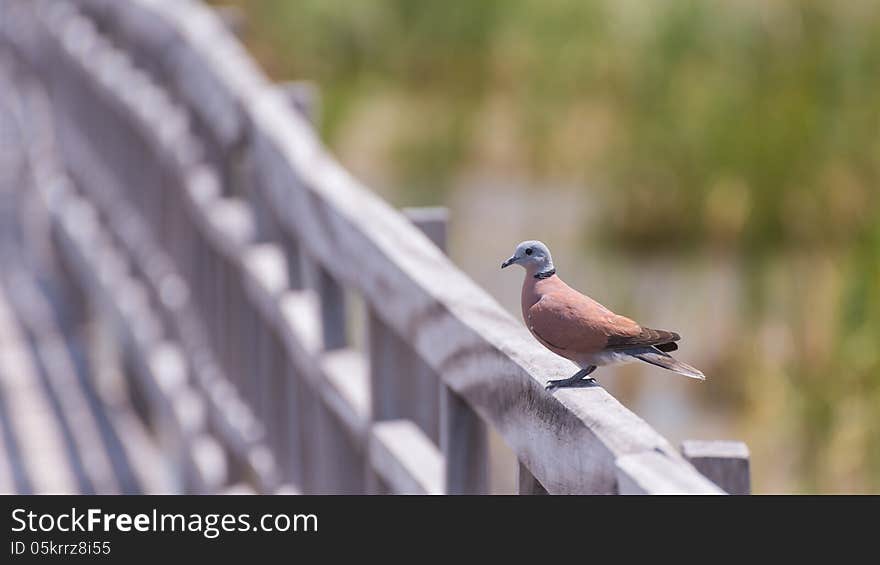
534,257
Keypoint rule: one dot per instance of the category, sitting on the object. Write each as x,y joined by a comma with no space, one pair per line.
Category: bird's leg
573,380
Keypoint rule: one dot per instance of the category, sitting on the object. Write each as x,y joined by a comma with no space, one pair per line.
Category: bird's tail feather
668,362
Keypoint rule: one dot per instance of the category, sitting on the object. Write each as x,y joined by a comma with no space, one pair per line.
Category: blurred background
704,166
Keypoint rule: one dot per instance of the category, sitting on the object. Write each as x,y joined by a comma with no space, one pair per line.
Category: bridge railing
252,246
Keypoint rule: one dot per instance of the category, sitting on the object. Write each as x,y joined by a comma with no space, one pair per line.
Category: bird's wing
570,321
645,338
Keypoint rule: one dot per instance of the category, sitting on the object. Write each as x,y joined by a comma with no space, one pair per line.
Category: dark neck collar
545,274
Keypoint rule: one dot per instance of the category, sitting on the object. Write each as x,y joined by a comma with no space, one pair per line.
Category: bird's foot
580,379
572,383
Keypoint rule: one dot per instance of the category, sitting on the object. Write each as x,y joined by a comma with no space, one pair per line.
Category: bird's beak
509,262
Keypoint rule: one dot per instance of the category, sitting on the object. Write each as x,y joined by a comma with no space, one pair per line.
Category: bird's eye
529,251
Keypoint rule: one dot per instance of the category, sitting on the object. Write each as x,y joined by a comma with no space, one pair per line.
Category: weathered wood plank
725,463
405,459
653,472
527,483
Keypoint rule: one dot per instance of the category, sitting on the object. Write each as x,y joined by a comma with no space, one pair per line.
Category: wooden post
390,364
333,323
405,459
425,388
271,399
335,463
252,338
465,446
462,434
305,98
403,386
267,282
338,463
725,463
290,403
232,319
528,484
307,420
233,18
293,254
237,354
433,221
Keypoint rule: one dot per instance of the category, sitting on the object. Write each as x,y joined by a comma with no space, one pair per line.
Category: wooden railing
223,250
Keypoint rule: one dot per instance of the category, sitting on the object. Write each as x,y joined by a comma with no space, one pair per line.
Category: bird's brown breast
568,322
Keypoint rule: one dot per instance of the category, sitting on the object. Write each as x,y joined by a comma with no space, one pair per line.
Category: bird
575,326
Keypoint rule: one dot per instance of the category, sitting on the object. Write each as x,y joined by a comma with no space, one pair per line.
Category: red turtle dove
580,329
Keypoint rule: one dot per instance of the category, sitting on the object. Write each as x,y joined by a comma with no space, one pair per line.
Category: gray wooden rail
225,248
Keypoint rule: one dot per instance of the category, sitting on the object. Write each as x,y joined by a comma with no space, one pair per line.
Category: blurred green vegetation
749,128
